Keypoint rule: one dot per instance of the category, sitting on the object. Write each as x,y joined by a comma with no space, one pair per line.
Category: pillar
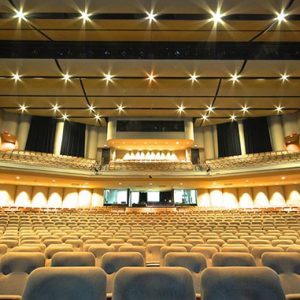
23,130
276,133
290,125
189,129
298,120
1,118
216,146
242,137
10,122
58,136
92,142
111,129
209,150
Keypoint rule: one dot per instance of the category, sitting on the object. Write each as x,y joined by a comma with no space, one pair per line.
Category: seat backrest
208,252
70,259
287,266
61,283
240,283
51,250
139,249
168,283
231,259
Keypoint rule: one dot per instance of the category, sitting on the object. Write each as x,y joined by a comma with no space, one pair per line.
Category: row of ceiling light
120,108
216,17
151,77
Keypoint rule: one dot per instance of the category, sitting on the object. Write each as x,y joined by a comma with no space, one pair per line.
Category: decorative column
189,129
111,129
290,125
23,130
242,137
276,133
215,136
58,136
209,150
92,142
10,122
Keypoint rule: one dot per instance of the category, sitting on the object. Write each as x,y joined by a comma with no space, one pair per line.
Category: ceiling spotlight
216,17
23,108
91,108
235,77
281,17
245,109
108,77
232,117
151,77
20,15
16,77
210,108
204,117
66,77
55,107
120,108
65,117
284,77
193,77
180,109
97,117
85,16
151,16
278,109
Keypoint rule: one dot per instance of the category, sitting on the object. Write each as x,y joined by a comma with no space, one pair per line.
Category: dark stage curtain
73,141
228,139
41,134
257,137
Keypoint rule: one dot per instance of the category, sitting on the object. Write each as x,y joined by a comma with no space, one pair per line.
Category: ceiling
120,40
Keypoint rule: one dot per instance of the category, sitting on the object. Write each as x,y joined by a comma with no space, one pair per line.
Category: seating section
112,240
252,160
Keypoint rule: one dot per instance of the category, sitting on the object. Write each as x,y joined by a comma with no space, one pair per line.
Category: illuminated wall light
66,77
20,15
281,17
108,77
120,108
278,109
180,109
16,77
284,77
245,109
85,16
23,108
151,16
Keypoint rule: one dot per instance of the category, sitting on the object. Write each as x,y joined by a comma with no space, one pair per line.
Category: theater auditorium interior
149,150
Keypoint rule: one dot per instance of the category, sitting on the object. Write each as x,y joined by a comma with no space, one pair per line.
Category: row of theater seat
124,276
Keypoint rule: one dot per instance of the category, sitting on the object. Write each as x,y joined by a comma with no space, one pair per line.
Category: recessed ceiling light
20,15
97,117
151,77
55,107
23,108
282,177
120,183
180,108
120,108
204,117
91,108
245,109
16,77
108,77
235,77
278,108
284,77
217,16
65,117
66,77
232,117
193,77
281,17
210,108
85,16
151,16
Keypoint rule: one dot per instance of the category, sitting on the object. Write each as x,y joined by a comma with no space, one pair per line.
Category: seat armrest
292,296
10,297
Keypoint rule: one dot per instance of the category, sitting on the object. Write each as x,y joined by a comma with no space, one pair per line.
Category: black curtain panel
73,142
228,139
41,134
257,137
